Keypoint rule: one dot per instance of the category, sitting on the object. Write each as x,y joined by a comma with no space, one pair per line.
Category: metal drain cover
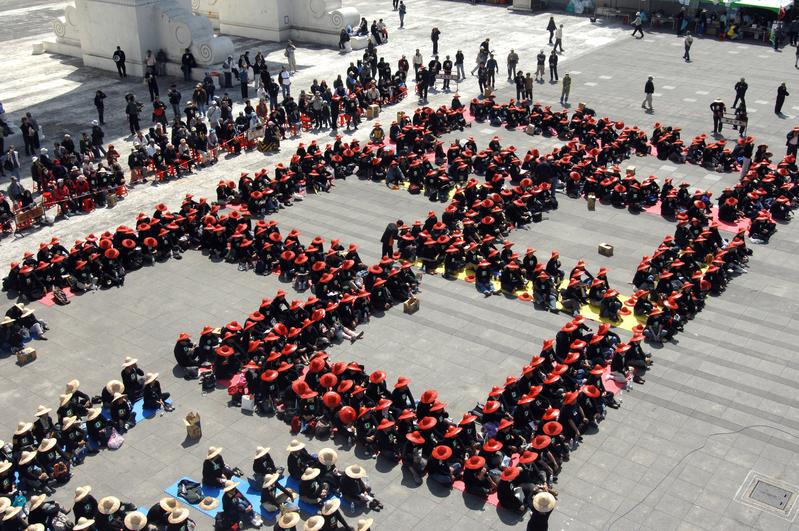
769,494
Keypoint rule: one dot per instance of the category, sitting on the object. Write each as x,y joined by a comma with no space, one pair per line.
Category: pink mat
48,299
654,209
492,498
610,384
742,224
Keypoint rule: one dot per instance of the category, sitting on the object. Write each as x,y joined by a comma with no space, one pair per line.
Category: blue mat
252,494
139,412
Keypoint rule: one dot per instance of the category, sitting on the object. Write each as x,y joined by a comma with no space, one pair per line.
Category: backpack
60,297
190,491
208,381
115,441
222,523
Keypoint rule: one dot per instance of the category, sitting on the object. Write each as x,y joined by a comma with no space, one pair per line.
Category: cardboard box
591,201
193,427
26,355
411,305
372,112
605,249
247,403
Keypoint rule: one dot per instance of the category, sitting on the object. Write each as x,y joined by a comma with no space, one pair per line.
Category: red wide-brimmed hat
541,441
475,462
510,473
492,445
441,452
552,428
429,396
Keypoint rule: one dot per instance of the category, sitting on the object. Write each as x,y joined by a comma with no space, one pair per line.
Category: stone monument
92,29
313,21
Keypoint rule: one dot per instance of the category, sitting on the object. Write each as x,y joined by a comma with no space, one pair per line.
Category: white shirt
559,33
285,77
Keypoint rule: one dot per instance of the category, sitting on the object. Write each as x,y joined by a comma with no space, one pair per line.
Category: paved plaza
719,404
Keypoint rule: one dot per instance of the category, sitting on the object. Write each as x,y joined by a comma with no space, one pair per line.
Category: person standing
740,93
285,82
566,88
402,11
553,67
343,39
434,36
132,109
417,63
426,80
187,62
638,25
649,90
119,59
679,22
227,71
152,85
539,67
174,100
542,506
482,78
160,63
528,86
689,41
244,80
99,103
776,34
551,27
290,57
717,108
36,130
559,38
513,60
97,137
782,92
149,63
28,132
492,68
482,55
389,237
518,81
200,98
209,86
459,65
446,66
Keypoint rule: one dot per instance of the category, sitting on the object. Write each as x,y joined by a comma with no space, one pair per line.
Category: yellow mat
628,322
406,185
